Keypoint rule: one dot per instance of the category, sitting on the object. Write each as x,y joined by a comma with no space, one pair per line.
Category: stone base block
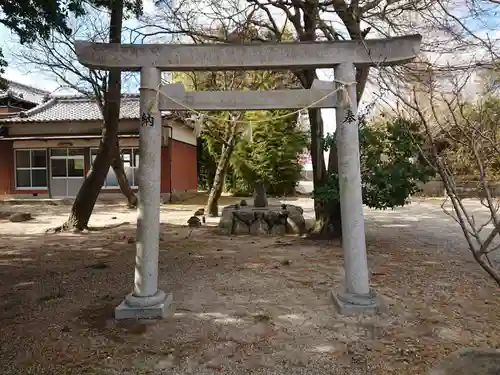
157,311
353,304
275,220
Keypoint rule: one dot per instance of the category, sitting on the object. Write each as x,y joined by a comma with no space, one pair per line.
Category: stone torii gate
146,300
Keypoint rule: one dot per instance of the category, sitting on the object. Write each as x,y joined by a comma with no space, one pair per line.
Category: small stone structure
194,222
275,220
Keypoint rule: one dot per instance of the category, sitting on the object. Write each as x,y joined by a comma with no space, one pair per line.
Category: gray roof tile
28,93
77,108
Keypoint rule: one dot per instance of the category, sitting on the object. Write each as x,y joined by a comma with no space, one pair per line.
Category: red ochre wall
183,166
6,167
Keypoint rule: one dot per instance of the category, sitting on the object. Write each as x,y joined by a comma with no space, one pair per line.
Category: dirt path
243,305
424,224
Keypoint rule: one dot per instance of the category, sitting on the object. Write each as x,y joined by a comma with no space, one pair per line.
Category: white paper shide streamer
346,100
247,133
198,126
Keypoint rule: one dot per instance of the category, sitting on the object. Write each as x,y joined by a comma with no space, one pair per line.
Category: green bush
390,165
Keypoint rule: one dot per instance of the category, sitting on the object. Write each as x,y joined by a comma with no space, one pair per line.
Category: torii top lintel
192,57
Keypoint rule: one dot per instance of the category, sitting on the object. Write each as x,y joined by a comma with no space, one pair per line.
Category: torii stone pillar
355,295
146,300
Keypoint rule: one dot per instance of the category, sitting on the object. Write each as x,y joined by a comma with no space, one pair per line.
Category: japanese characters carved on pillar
147,119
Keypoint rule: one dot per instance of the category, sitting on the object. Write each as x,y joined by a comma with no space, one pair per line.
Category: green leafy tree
37,18
391,166
220,135
272,156
205,162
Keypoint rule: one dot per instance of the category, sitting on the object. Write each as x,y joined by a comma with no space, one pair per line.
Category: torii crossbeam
146,300
254,56
174,97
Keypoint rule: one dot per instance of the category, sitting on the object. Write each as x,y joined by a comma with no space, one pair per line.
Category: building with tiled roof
73,108
18,97
47,150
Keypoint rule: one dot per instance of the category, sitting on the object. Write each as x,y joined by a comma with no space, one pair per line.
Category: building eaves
70,108
23,92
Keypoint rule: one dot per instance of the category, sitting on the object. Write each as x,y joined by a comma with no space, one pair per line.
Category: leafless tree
56,57
460,122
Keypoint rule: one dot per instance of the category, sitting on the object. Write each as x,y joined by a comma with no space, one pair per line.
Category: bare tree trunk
328,220
212,207
121,176
87,195
328,217
328,223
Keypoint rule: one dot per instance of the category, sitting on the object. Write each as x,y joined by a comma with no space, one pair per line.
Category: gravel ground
243,305
425,224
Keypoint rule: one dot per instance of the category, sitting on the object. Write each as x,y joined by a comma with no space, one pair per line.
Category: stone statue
259,194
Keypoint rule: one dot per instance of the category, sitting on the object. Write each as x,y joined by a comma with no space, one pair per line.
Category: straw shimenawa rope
198,125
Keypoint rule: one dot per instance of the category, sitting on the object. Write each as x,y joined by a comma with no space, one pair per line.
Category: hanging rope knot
155,105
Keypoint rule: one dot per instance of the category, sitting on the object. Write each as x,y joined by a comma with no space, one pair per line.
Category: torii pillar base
353,304
158,306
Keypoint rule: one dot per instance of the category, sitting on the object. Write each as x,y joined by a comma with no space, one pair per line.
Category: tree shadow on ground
240,303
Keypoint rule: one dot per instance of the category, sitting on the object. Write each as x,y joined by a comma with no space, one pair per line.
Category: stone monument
259,194
146,300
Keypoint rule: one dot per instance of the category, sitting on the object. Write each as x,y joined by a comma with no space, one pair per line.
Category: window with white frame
31,169
130,157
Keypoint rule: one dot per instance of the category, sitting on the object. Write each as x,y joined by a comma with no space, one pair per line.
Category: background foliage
475,129
390,164
272,156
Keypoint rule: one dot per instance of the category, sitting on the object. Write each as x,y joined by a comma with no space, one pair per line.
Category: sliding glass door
67,171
